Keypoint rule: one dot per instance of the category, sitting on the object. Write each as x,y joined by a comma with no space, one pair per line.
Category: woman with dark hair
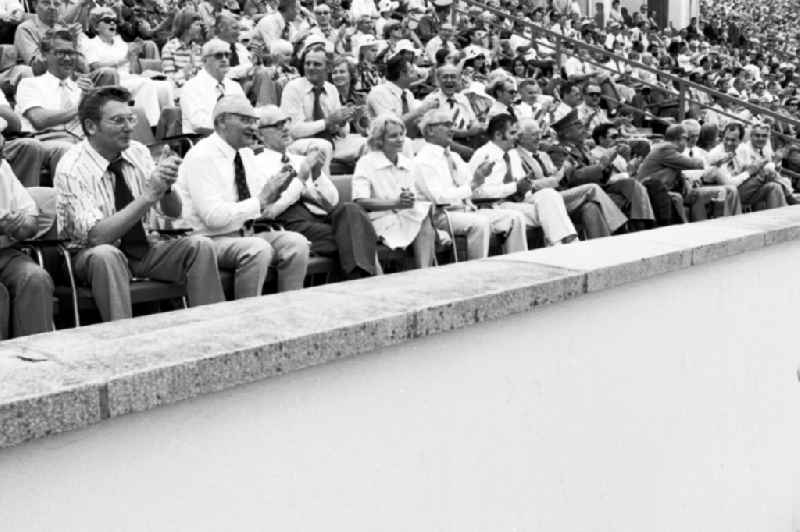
477,65
182,56
709,137
520,69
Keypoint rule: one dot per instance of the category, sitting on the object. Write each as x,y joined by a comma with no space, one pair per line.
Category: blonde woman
383,184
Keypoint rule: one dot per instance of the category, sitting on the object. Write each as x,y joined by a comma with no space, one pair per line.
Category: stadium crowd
468,129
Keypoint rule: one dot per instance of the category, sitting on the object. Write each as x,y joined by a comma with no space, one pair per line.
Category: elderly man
590,112
543,208
201,93
599,214
310,204
447,181
756,179
466,127
226,190
110,194
26,290
758,150
48,103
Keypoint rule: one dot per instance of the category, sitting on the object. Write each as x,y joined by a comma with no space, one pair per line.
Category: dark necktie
512,113
134,243
234,61
458,120
316,113
240,178
404,101
508,178
691,153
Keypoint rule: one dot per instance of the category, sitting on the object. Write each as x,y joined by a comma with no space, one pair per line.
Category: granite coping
72,378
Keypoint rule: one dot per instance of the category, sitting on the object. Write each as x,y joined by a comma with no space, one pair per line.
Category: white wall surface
666,405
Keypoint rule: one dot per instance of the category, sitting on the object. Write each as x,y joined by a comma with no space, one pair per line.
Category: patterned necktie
134,242
508,178
234,61
240,178
458,120
220,91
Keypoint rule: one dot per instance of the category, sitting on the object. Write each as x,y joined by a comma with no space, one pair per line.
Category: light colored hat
367,40
215,46
591,88
691,126
269,115
435,116
442,3
236,105
404,45
387,5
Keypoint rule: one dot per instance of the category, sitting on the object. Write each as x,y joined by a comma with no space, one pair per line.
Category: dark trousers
663,206
26,293
347,231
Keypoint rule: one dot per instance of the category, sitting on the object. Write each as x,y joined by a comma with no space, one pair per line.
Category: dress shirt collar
223,146
56,82
384,162
309,87
434,150
493,150
101,162
207,79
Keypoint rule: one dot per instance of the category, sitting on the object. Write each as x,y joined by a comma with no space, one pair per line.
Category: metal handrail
682,83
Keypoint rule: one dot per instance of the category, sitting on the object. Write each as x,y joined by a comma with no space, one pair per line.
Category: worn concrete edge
83,403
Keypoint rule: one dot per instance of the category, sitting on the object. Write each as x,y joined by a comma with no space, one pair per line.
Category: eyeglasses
277,125
446,124
219,56
65,54
593,95
122,120
108,20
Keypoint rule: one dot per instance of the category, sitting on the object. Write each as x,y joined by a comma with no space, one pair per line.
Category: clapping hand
162,178
11,222
406,200
482,172
275,186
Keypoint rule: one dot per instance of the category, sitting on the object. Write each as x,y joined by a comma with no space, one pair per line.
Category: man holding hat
201,93
310,204
110,194
226,190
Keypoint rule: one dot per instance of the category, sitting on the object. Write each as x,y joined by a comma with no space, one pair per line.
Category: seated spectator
394,97
225,190
758,150
504,91
181,57
26,290
443,40
29,34
252,77
201,93
384,183
756,179
343,77
110,195
368,74
279,73
661,172
590,112
599,214
25,155
49,102
108,50
543,208
444,179
310,204
318,117
629,195
466,127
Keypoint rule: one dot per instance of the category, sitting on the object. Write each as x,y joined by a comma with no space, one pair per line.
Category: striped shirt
176,57
85,189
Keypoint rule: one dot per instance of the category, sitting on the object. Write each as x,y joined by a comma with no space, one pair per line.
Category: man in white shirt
599,214
310,204
48,103
26,290
394,97
503,89
543,208
444,38
447,181
279,24
590,112
318,117
225,190
448,96
201,93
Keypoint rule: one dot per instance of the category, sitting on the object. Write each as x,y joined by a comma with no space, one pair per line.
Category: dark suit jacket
665,164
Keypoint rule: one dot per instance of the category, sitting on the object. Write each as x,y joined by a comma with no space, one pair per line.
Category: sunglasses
108,20
594,94
221,55
279,124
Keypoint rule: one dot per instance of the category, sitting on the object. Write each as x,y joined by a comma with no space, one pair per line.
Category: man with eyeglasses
449,97
590,112
228,195
758,152
111,194
48,103
503,89
310,204
201,93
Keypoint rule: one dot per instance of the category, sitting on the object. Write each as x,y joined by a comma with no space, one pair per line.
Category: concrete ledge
72,378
